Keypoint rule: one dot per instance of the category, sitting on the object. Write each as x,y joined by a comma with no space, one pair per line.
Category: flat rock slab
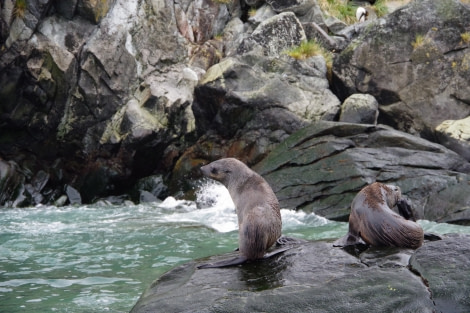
317,277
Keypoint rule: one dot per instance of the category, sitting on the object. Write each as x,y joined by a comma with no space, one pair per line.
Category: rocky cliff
106,98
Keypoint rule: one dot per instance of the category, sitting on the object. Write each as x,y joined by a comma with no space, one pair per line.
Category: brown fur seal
259,217
373,220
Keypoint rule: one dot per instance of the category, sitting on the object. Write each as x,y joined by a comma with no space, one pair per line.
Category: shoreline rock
315,277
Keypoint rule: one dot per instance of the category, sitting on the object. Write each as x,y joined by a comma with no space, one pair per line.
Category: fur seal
257,208
372,220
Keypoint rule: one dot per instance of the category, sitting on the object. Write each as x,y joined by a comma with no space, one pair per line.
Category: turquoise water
101,258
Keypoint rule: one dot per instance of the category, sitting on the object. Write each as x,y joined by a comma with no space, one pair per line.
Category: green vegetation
380,8
419,41
252,12
465,37
312,48
339,9
346,12
20,8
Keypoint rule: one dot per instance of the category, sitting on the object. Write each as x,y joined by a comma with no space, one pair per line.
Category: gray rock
275,35
299,7
413,62
73,195
262,13
360,108
321,168
455,135
442,265
315,277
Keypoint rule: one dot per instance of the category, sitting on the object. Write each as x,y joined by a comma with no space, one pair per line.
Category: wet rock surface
316,277
322,167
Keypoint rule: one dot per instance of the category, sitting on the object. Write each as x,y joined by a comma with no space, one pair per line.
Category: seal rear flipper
225,263
349,240
275,252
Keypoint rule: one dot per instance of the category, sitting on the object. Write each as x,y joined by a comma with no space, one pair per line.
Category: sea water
95,258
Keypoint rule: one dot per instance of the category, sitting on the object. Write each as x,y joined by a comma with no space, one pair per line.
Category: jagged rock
359,108
322,167
73,195
315,277
94,10
275,35
244,106
455,135
334,25
11,184
262,13
233,35
414,61
440,264
299,7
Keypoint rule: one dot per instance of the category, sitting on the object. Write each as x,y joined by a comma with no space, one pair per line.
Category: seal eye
214,170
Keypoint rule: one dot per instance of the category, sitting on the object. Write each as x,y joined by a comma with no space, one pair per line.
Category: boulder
359,108
12,190
455,135
316,277
321,168
275,35
414,61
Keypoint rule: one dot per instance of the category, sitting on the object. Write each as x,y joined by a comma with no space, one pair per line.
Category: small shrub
19,8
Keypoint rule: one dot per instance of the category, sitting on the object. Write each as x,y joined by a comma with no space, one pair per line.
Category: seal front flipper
225,263
348,240
405,210
432,237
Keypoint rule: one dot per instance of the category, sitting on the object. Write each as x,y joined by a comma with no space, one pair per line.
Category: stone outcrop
455,135
415,62
97,95
316,277
321,168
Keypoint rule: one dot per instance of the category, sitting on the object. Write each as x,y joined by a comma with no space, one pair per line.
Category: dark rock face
315,277
445,276
321,168
415,62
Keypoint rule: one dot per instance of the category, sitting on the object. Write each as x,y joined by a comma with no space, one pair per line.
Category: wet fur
259,217
373,221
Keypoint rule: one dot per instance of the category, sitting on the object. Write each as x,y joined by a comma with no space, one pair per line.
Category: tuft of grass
252,12
419,41
339,9
19,9
312,48
465,37
346,11
380,8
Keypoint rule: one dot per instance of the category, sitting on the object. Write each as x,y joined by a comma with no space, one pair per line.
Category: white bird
361,14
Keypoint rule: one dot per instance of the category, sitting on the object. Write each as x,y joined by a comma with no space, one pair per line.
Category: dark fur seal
373,221
259,217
